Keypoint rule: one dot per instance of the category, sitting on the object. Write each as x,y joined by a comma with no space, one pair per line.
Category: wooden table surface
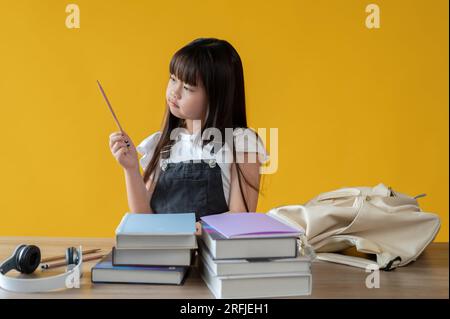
425,278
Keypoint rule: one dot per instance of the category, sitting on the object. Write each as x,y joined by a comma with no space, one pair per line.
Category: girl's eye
185,87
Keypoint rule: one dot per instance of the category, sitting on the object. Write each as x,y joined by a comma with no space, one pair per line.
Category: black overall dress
190,186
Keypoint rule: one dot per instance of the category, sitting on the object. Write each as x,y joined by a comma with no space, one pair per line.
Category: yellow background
354,106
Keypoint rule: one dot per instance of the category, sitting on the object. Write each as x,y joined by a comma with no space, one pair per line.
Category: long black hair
218,65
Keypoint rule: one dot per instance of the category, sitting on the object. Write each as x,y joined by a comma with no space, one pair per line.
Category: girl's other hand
123,150
198,228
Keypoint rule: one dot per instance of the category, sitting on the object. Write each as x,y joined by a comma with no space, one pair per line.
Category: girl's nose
174,95
176,90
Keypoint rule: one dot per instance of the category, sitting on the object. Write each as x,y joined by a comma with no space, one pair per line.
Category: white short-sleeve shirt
187,147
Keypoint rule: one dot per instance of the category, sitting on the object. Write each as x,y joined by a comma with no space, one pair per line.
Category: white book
105,272
257,286
149,257
156,231
221,247
222,267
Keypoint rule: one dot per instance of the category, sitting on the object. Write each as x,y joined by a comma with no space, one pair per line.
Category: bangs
185,66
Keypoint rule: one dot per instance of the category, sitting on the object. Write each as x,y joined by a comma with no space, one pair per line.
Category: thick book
221,247
152,257
250,225
256,286
105,272
223,267
156,231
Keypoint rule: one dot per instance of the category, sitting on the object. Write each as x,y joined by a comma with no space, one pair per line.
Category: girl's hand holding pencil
123,150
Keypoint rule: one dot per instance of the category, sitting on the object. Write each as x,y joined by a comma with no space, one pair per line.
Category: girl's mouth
173,104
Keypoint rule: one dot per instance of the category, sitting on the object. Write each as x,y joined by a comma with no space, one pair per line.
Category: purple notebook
250,225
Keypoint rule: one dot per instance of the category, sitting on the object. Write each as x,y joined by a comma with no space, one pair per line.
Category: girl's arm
138,193
124,151
251,173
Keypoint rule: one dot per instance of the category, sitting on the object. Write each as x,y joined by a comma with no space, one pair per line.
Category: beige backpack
362,226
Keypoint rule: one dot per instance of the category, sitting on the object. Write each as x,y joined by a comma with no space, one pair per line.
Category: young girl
185,169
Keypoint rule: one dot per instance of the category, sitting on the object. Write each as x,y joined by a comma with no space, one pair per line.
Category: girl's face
186,101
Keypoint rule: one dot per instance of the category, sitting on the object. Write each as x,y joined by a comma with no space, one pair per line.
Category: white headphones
26,258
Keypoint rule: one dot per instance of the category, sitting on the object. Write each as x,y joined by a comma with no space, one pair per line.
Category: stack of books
252,255
150,248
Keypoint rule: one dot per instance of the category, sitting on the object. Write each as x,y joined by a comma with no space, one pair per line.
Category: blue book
105,272
156,231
